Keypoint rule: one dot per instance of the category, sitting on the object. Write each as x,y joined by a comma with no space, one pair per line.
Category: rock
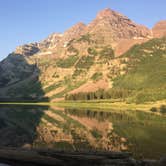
149,163
60,158
113,26
159,30
74,32
27,49
162,161
27,146
51,41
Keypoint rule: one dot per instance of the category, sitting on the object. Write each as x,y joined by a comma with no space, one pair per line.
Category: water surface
143,134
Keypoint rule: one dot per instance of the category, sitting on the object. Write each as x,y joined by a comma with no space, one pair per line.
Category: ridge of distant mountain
109,27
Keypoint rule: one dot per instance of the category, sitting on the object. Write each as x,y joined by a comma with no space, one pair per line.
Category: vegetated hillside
85,58
143,78
146,71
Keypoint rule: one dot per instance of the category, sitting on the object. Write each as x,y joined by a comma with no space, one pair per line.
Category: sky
26,21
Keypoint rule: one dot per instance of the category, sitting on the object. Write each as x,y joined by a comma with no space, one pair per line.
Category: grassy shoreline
95,104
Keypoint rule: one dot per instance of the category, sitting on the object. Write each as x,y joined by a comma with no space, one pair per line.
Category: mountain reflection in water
73,129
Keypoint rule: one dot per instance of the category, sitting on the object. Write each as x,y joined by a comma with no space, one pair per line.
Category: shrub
85,38
72,49
153,109
107,53
70,42
52,87
163,109
97,76
85,62
96,134
68,62
78,72
92,51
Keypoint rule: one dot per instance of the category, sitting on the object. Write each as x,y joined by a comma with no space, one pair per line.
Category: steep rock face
159,30
51,41
110,27
13,69
56,40
74,32
27,49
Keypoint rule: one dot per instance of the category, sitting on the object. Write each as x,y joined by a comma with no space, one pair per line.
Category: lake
141,133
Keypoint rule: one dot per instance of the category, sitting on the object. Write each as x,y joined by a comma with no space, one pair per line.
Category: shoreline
35,157
105,105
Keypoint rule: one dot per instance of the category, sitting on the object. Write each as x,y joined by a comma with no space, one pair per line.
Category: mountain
113,26
85,58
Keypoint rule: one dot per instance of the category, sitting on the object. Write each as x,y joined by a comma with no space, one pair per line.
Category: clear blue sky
24,21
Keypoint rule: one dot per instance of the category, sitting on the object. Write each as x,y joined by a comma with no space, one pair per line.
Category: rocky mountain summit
116,26
109,27
83,58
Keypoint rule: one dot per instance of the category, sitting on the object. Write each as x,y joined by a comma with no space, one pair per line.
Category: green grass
97,104
146,72
149,73
85,62
69,88
78,72
52,87
110,106
68,62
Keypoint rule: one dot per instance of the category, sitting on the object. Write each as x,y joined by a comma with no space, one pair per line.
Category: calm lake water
143,134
